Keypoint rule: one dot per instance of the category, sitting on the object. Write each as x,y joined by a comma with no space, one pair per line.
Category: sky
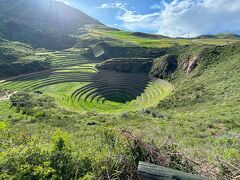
174,18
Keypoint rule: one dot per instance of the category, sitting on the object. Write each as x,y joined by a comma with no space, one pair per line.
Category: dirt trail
7,95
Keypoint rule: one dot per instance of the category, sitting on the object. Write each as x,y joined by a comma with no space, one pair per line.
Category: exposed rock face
191,63
127,65
164,66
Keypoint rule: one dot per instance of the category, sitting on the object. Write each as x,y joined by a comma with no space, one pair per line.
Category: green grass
61,59
124,36
13,49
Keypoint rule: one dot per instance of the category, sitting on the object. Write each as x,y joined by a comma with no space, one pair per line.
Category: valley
90,102
81,88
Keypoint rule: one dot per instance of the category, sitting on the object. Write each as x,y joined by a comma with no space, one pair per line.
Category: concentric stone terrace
116,92
82,89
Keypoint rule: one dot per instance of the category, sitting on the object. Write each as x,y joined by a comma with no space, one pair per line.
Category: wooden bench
147,171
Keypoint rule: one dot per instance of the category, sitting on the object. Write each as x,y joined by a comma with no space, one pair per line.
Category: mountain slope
41,23
220,36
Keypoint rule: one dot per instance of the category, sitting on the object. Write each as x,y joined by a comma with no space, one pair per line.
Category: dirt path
7,95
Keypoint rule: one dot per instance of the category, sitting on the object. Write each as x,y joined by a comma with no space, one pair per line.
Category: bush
124,115
36,162
31,104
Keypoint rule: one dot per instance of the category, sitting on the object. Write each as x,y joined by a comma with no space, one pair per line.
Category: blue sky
109,12
185,18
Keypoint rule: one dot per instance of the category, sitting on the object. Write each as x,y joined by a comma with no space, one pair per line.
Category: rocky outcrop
164,66
191,63
134,65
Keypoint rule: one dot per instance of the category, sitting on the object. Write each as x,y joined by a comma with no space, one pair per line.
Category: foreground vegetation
39,140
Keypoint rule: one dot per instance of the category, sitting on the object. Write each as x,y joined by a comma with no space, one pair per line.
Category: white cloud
116,5
137,22
190,18
185,18
131,20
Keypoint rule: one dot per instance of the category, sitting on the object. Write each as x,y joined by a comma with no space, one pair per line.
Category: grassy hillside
220,36
11,51
42,23
69,120
19,58
144,40
46,15
195,129
203,110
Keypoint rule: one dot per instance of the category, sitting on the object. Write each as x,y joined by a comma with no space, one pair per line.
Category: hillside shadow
119,87
38,75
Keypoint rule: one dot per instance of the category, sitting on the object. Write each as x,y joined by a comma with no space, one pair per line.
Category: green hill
220,36
19,58
26,25
42,23
204,105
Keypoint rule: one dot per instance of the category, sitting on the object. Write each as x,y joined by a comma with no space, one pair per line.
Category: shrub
36,162
124,115
31,104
